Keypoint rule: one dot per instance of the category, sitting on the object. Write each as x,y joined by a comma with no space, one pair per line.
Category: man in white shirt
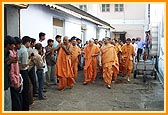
45,69
135,48
81,57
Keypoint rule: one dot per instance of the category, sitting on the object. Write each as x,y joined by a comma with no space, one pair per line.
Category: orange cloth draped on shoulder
109,62
118,50
90,68
64,70
74,59
119,56
127,59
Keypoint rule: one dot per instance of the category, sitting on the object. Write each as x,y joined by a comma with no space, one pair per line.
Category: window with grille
105,8
83,7
119,7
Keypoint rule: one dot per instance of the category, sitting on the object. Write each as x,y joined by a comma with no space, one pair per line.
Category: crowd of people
28,65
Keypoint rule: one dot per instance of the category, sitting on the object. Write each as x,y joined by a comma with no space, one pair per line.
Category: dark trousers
32,76
147,50
81,62
16,99
40,77
25,91
139,53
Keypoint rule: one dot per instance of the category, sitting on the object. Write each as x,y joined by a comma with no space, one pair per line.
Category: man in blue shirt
141,44
24,65
56,42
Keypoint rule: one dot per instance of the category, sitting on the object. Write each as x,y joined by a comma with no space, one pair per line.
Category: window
83,7
105,8
119,7
58,27
57,22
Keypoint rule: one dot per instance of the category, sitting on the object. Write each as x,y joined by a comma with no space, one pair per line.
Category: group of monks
110,57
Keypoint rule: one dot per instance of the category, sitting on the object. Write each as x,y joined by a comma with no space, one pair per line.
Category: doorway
122,38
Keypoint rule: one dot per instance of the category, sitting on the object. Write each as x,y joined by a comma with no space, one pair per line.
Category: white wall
132,30
161,56
103,33
91,30
131,12
92,9
133,20
38,18
73,28
35,20
135,11
157,17
108,33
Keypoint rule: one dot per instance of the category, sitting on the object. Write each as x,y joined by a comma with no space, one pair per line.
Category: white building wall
134,15
131,12
72,28
34,20
157,18
38,18
162,55
92,9
108,33
90,31
132,31
104,33
134,11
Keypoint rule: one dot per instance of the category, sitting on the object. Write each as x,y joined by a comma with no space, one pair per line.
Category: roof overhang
72,10
20,6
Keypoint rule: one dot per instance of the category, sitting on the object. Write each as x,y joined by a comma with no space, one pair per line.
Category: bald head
65,40
91,41
113,42
106,40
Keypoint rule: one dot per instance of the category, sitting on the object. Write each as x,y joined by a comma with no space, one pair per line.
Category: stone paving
123,96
